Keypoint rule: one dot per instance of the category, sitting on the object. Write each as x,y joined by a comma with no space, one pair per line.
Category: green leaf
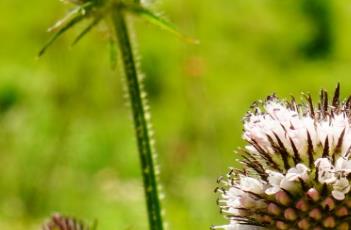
150,16
61,31
86,30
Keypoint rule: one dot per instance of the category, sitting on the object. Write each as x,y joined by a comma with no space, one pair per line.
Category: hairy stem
141,123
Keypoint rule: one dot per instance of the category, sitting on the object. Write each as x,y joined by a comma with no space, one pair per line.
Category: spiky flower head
59,222
296,167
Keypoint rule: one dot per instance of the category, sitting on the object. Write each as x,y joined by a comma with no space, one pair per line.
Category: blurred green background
66,137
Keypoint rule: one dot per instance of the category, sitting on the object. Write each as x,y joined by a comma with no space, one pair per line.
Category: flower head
59,222
297,169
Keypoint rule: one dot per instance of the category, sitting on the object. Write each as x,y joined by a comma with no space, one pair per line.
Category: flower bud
343,211
290,214
274,209
315,214
328,203
281,225
303,224
302,205
283,198
313,194
329,222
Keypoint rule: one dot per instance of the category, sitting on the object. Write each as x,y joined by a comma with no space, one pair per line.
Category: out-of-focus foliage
66,136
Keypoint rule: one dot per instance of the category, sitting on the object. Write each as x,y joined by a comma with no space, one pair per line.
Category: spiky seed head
59,222
296,167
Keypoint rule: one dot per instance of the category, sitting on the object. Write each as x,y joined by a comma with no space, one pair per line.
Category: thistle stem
141,123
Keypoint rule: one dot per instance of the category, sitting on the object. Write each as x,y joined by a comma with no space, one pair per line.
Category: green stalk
141,124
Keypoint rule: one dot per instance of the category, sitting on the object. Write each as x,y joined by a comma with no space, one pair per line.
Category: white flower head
300,171
325,169
277,181
340,188
274,180
343,165
251,184
234,225
296,161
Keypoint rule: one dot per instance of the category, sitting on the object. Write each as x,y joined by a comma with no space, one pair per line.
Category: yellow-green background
66,138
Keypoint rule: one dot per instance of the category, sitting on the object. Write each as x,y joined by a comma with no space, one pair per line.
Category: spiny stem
141,124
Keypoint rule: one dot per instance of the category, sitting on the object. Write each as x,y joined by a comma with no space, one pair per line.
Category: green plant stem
141,124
